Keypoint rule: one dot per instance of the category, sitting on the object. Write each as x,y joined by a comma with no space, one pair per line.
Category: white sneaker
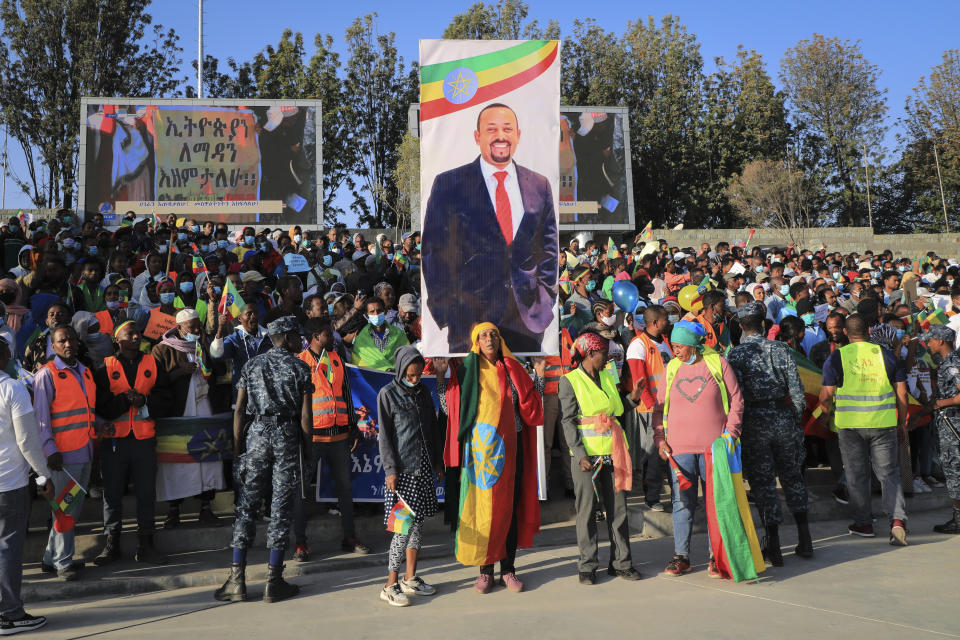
416,586
394,596
919,486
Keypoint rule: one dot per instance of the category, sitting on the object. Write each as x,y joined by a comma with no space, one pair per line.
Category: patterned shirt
767,372
948,378
276,382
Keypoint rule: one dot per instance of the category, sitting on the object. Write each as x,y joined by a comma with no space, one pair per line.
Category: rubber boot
148,553
773,552
950,526
110,552
804,548
277,588
235,588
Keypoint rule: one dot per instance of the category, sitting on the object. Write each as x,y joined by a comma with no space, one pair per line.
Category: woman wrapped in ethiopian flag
493,410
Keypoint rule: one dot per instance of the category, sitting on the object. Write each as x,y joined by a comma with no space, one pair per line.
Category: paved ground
853,588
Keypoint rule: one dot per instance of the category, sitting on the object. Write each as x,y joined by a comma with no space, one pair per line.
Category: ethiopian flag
195,439
401,517
67,497
231,303
454,85
733,538
482,440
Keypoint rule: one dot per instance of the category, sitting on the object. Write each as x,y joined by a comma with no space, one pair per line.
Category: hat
923,292
280,326
408,234
795,279
940,332
357,255
679,255
761,277
186,315
751,310
408,304
691,334
251,276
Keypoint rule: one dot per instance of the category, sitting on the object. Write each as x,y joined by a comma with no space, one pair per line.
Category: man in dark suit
490,242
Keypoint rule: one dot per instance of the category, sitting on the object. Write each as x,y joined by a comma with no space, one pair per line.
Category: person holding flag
239,344
411,448
20,450
699,400
590,409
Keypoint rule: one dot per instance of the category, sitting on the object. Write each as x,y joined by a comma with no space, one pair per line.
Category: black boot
950,526
277,588
804,547
148,553
110,552
772,551
235,588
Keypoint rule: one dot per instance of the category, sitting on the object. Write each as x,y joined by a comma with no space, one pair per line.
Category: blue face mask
377,319
836,276
691,359
186,287
390,257
591,285
191,337
330,309
248,240
307,243
92,250
418,246
758,269
167,298
162,248
594,252
327,260
297,238
223,244
217,289
263,247
808,319
902,269
409,384
182,237
785,289
195,229
212,247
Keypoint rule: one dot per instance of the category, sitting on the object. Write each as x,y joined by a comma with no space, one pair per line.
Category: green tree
505,20
593,61
54,53
378,88
840,109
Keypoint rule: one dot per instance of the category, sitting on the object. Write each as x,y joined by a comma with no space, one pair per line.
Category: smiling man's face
497,135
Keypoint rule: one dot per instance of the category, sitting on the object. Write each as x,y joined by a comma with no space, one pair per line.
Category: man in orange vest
647,358
64,397
335,435
550,369
712,319
124,390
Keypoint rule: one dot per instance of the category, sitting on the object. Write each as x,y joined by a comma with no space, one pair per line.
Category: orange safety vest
558,366
143,428
655,366
711,340
331,423
71,413
105,320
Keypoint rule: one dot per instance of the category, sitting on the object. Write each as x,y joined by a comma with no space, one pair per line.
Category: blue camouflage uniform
772,438
275,383
948,379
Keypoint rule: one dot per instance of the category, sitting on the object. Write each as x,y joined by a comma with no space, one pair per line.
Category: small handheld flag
612,251
648,231
749,238
231,304
401,517
198,265
204,369
683,482
67,498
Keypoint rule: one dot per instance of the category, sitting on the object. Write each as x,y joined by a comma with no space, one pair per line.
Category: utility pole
3,197
866,169
936,159
200,49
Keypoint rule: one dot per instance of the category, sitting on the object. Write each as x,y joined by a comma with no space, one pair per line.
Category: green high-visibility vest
866,399
595,401
366,353
712,359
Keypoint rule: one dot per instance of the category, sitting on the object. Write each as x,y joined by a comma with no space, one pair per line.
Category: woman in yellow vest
590,408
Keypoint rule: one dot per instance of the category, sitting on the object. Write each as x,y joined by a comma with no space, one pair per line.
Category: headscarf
475,339
98,344
691,334
884,336
589,342
15,310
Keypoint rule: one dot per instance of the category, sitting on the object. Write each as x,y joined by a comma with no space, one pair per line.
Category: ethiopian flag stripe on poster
446,87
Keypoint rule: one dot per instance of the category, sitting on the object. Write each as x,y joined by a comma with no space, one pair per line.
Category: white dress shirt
512,186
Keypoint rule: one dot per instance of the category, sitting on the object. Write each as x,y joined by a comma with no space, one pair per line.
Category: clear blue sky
905,39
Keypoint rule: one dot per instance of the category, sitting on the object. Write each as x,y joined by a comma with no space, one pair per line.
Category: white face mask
609,320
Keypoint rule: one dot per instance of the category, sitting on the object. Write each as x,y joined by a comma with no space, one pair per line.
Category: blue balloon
625,295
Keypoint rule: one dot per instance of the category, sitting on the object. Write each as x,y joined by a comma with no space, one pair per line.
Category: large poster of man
489,182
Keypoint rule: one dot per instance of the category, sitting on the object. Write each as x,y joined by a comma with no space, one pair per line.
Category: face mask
113,304
191,337
758,269
195,229
390,257
223,244
68,243
186,287
377,319
609,321
418,246
212,247
222,270
807,319
836,276
691,359
66,219
330,309
784,289
591,285
406,382
900,333
307,243
162,248
167,298
92,250
902,269
297,238
327,260
673,319
182,237
263,247
594,252
248,240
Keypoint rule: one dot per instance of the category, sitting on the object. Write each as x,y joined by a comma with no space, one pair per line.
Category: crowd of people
108,331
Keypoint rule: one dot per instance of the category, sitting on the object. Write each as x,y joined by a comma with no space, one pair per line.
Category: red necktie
503,207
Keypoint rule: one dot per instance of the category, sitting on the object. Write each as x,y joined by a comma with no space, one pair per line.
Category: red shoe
678,566
862,530
712,570
302,554
484,583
